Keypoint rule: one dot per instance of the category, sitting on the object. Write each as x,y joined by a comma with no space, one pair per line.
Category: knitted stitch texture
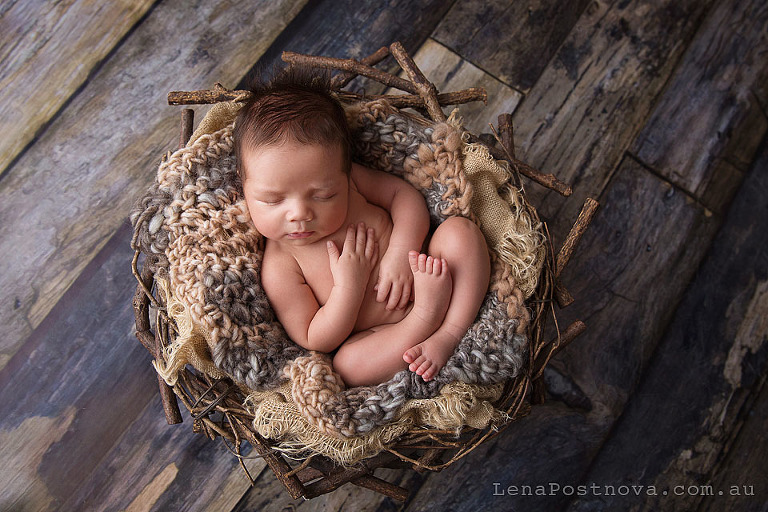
194,226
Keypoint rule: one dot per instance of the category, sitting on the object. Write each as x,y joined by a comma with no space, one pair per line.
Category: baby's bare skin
313,262
341,270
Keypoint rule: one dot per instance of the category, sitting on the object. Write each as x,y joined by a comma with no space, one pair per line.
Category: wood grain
349,29
626,294
744,459
269,494
69,192
689,421
593,98
155,466
709,121
82,421
675,349
47,51
633,264
78,382
561,436
513,41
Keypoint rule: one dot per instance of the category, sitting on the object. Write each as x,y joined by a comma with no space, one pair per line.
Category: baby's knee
457,235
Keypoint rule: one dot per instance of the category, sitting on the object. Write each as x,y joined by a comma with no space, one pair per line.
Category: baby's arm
410,220
305,321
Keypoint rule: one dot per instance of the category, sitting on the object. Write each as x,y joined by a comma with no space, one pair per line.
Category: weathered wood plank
68,193
81,424
632,267
737,476
683,419
512,41
449,72
348,29
47,51
589,103
709,113
159,483
69,393
551,446
159,467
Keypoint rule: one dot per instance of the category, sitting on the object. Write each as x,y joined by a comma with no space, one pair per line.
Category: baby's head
295,106
293,155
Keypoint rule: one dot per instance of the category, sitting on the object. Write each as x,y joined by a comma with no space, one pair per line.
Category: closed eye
325,197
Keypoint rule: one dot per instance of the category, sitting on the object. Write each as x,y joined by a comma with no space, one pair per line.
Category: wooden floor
657,108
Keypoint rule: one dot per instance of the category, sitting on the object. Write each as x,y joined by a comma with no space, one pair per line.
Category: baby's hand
395,283
352,268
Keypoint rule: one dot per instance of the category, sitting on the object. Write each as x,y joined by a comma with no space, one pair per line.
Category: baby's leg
460,242
374,356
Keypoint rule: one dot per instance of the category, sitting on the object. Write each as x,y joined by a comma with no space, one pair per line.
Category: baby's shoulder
276,260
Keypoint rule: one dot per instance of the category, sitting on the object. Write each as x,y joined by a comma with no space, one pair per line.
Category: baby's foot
429,356
432,286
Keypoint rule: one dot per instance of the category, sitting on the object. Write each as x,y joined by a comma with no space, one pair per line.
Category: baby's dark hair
295,105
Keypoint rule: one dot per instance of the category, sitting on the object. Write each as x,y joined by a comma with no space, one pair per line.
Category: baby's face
296,193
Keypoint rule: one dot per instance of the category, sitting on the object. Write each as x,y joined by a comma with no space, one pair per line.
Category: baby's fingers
371,247
382,289
361,238
405,296
333,251
394,296
349,241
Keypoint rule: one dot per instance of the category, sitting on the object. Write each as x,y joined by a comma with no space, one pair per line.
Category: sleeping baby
348,265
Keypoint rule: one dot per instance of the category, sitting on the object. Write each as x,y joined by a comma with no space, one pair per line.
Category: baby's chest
316,270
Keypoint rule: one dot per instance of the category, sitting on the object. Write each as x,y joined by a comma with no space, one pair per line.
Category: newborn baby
347,264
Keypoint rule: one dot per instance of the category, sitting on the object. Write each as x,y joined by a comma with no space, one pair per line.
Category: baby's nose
300,211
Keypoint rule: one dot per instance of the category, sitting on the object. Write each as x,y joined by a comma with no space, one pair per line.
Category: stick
508,142
351,66
507,134
279,467
396,100
414,101
170,404
187,123
345,77
577,230
557,344
562,296
218,94
425,88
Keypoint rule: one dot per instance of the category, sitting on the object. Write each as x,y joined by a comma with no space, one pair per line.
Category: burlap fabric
194,224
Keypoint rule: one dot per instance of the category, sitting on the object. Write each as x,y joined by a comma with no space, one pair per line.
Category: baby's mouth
298,235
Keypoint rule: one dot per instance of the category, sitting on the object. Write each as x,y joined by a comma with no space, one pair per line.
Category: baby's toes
437,267
413,260
417,364
429,264
443,267
412,354
426,370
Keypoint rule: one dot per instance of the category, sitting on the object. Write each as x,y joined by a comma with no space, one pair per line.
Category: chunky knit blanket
194,226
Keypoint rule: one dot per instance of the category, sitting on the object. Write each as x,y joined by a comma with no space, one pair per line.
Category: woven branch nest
216,394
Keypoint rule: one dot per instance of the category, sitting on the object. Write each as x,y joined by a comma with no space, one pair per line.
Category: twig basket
216,405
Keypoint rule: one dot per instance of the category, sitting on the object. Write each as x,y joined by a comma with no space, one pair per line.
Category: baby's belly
374,313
